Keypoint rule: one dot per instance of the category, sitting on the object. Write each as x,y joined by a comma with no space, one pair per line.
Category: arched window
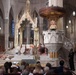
11,24
11,28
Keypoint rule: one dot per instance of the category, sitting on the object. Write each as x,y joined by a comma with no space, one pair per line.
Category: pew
12,74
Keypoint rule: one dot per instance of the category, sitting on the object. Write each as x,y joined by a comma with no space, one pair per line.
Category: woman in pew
38,70
26,70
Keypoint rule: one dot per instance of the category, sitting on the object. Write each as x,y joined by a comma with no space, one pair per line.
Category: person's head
61,62
38,62
23,63
38,66
42,50
46,69
71,50
48,65
52,22
26,67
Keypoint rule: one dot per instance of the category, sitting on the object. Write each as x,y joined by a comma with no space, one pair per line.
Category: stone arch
11,28
20,13
35,15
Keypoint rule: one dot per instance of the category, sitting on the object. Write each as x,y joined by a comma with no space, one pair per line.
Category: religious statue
53,25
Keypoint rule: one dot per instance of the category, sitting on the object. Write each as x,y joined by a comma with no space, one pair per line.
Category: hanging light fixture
69,21
74,13
66,26
0,28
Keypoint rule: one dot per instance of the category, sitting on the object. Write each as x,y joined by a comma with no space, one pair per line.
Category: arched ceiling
68,4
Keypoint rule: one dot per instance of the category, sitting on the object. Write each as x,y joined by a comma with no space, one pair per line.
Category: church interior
37,30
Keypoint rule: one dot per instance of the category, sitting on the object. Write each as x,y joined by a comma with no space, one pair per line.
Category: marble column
52,2
55,3
60,21
41,40
16,35
60,3
21,37
36,36
6,23
28,28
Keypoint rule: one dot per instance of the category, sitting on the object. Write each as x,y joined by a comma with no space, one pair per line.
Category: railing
67,44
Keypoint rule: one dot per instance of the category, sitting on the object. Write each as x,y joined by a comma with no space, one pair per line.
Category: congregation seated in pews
35,69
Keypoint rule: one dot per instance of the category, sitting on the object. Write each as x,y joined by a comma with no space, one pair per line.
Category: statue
53,25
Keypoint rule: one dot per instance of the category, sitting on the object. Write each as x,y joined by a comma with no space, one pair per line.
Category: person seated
38,62
48,65
46,70
38,69
26,69
60,68
66,71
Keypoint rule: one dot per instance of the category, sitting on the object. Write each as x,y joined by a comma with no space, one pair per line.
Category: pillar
21,37
52,2
55,3
6,4
60,3
60,21
41,40
6,23
28,28
36,36
16,35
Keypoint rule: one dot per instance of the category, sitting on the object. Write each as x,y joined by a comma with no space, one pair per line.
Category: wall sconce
67,27
69,21
73,13
0,28
19,33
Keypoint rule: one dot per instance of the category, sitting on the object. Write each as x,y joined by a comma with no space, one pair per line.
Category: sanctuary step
46,59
